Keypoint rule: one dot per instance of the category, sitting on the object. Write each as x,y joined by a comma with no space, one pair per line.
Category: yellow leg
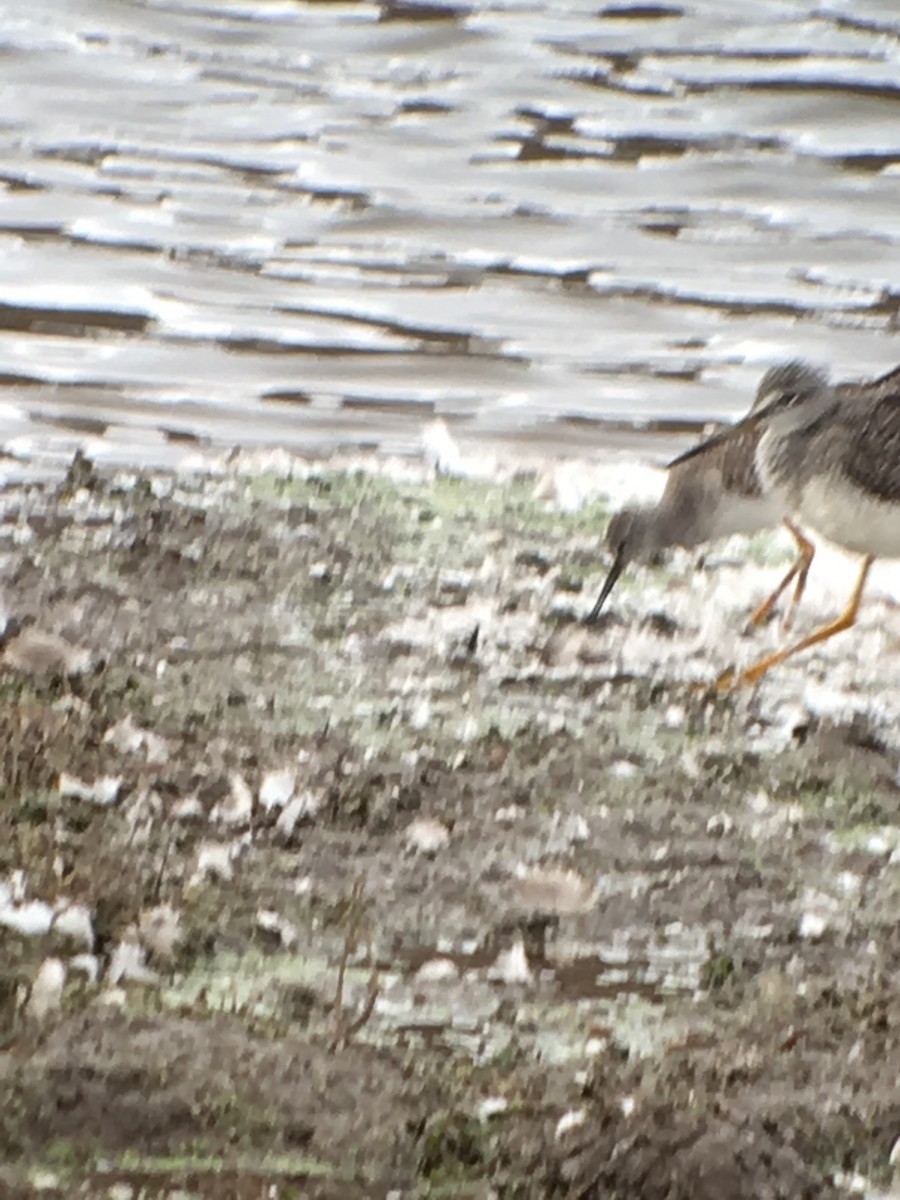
800,570
731,678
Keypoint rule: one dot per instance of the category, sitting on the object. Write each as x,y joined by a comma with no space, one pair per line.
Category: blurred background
560,226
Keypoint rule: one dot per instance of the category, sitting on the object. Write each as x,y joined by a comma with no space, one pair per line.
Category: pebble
47,989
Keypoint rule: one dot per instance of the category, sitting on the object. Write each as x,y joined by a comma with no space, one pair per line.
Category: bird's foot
733,678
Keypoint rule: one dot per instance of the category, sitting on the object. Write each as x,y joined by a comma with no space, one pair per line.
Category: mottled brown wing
736,461
872,454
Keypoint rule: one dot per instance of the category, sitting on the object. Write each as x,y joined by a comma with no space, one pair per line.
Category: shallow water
324,225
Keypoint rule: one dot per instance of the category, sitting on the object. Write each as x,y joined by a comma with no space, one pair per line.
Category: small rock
104,792
425,835
568,829
511,965
623,769
46,991
437,970
575,645
128,961
125,736
277,788
554,890
188,808
75,921
813,924
214,861
122,1191
849,883
468,730
44,1180
573,1119
509,814
128,738
674,717
34,652
237,808
306,806
273,922
88,964
159,929
420,717
32,919
759,802
491,1106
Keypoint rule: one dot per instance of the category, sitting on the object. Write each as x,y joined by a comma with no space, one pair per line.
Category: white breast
850,518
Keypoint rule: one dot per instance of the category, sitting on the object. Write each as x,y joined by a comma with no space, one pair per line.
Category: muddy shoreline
363,869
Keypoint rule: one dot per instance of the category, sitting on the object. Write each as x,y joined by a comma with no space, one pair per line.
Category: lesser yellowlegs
715,495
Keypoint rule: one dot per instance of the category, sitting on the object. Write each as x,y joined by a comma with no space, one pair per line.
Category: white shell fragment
511,965
491,1106
820,912
128,738
188,808
273,922
32,919
128,961
103,792
74,920
303,807
276,789
215,860
813,925
47,989
509,814
573,1119
88,964
437,970
554,890
425,835
34,652
568,829
237,808
159,929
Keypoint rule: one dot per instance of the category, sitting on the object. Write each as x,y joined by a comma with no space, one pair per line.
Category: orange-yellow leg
800,570
731,678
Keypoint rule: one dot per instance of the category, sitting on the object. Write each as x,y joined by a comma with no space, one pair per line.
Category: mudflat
361,867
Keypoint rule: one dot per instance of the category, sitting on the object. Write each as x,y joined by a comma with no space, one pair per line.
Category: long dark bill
724,435
609,583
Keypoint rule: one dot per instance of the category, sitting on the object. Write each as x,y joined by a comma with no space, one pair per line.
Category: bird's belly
739,514
850,518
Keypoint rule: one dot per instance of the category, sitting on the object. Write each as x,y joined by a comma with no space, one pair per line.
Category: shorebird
830,456
715,495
